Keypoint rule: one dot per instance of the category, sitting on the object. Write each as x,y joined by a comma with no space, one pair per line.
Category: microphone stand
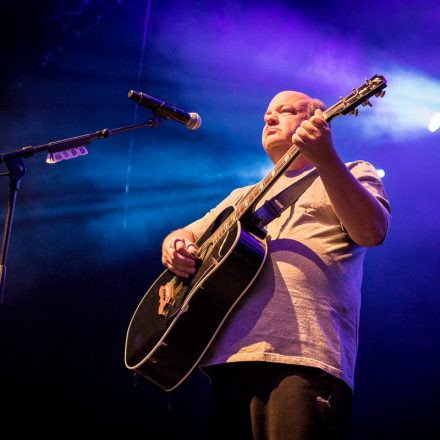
17,169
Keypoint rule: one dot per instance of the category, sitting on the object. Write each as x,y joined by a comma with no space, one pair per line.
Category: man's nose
271,119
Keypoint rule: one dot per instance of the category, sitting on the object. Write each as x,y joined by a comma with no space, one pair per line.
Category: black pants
262,400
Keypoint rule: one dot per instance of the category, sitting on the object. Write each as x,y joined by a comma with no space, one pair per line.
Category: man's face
284,114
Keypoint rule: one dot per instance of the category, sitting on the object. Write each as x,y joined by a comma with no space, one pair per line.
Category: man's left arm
361,214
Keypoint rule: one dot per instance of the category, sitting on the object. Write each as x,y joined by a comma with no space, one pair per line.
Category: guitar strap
273,207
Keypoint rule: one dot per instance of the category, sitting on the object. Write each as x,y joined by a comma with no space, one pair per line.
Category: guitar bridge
167,298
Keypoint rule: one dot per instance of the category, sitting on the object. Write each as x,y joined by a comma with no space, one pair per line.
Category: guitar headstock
360,96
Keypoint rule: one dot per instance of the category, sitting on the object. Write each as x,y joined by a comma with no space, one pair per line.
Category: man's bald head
283,116
305,102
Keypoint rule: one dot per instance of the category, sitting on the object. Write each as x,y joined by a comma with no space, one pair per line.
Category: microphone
166,110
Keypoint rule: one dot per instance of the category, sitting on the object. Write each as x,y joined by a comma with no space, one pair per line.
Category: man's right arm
179,252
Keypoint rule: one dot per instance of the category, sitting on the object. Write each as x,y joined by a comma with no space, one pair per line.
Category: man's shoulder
362,167
360,163
241,189
238,193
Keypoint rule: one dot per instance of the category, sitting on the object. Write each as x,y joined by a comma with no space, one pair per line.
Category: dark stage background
86,237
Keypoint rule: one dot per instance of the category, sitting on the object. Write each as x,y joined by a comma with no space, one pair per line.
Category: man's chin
276,145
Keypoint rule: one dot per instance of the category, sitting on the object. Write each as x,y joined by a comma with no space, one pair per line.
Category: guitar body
165,347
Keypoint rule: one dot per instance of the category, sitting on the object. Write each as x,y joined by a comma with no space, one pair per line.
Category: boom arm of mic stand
76,141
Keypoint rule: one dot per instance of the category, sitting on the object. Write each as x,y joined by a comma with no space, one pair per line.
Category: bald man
283,365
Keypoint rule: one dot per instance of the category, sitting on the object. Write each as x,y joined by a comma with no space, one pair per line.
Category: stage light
434,123
380,172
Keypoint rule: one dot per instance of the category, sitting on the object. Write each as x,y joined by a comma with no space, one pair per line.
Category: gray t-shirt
303,308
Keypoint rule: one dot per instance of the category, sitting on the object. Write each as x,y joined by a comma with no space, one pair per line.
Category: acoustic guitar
178,318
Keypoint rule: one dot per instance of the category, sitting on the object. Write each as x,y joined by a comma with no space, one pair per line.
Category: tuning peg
380,94
367,103
354,112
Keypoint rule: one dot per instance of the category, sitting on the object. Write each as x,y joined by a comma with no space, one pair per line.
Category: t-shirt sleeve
367,175
198,227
